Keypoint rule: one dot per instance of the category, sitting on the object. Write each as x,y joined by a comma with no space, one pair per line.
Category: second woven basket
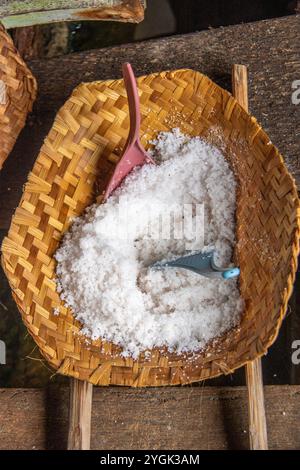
18,90
74,165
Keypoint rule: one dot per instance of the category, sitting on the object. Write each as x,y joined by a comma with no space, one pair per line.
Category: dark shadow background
165,17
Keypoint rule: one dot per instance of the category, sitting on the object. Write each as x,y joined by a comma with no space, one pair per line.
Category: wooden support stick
80,415
240,85
256,408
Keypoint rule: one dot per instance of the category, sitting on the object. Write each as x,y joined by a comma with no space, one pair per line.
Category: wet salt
104,269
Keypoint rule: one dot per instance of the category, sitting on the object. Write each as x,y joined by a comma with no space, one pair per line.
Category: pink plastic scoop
133,154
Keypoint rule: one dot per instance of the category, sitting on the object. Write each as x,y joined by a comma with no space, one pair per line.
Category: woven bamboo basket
17,93
74,166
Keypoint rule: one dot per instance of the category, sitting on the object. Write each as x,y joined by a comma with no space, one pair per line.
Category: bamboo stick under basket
80,413
256,408
74,165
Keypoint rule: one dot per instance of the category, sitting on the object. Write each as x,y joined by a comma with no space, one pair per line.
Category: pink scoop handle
134,154
133,103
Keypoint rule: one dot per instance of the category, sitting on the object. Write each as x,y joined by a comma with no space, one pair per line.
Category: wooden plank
14,13
164,418
268,48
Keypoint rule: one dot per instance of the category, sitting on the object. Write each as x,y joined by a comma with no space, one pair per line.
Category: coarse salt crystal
104,269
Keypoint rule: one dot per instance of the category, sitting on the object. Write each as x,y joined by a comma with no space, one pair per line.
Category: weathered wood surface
270,49
15,13
122,418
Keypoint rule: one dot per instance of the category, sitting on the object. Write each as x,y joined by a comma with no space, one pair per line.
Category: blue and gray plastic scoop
201,263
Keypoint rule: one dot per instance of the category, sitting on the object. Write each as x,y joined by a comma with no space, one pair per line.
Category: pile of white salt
104,271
